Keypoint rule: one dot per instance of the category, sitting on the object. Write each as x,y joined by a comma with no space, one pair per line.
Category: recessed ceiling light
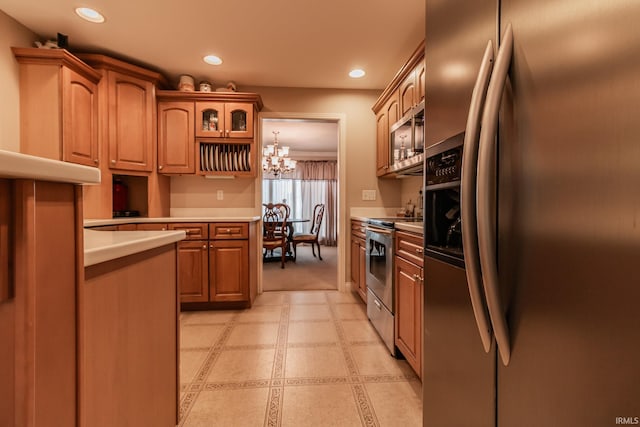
212,59
356,74
90,15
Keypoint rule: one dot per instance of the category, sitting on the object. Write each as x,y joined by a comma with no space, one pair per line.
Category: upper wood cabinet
387,116
404,92
207,133
408,92
58,106
176,144
127,112
224,120
420,77
131,122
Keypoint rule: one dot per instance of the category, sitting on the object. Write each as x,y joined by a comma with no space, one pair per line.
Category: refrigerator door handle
486,226
468,197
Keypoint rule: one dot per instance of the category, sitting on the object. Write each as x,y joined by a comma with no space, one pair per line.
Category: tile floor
307,358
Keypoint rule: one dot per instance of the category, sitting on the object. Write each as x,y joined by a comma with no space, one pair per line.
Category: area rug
306,273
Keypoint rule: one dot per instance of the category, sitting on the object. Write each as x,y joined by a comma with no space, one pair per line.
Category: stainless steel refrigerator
541,327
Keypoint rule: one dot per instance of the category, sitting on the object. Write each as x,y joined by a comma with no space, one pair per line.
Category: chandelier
275,160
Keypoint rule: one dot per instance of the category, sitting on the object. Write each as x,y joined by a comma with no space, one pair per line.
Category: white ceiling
281,43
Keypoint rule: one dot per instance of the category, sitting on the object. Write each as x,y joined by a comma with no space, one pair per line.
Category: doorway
314,140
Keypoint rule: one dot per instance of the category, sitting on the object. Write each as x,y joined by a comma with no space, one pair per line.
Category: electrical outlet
368,194
220,195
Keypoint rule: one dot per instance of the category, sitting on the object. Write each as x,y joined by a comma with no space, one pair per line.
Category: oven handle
468,198
379,230
486,188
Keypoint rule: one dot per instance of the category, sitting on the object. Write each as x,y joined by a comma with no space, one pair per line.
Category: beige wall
11,34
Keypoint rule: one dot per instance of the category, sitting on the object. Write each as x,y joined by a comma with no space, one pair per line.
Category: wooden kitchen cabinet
129,341
41,250
408,90
228,262
58,106
193,271
193,262
152,226
217,264
176,138
224,120
208,133
384,119
404,92
229,270
409,291
127,112
130,122
358,259
5,229
420,79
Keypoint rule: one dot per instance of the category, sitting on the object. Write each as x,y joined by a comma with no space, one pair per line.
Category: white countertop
101,246
23,166
413,227
141,220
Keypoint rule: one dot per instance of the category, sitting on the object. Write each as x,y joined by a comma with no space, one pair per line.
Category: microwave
406,146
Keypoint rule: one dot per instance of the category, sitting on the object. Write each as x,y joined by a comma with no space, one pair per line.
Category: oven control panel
445,166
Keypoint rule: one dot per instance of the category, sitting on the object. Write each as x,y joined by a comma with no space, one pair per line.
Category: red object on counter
120,196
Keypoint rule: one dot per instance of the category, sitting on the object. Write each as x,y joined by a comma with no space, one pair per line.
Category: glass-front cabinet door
239,120
224,120
210,119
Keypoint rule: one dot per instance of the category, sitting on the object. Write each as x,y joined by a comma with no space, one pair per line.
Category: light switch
220,195
368,194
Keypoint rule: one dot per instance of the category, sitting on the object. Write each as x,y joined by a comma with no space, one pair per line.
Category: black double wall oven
442,217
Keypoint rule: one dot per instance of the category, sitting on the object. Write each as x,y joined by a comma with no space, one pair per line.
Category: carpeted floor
306,273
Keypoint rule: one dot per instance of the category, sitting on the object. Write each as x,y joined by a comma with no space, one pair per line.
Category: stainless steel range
380,235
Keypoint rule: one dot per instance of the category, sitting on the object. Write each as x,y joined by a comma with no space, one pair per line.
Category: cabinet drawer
228,230
151,226
409,247
195,231
358,228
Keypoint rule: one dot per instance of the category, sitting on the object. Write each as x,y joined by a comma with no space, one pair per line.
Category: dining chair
312,236
274,224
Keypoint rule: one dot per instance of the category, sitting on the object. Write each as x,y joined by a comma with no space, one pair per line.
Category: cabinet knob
211,246
159,167
95,161
418,250
204,246
113,162
227,131
228,231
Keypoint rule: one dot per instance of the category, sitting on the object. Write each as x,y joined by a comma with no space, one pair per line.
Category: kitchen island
217,262
129,329
88,320
41,270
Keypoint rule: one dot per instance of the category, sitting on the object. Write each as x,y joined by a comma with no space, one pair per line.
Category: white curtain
312,183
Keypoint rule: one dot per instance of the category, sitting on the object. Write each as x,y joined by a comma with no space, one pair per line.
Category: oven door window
377,253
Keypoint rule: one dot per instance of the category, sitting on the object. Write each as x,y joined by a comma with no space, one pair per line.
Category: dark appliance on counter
541,327
121,200
380,235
